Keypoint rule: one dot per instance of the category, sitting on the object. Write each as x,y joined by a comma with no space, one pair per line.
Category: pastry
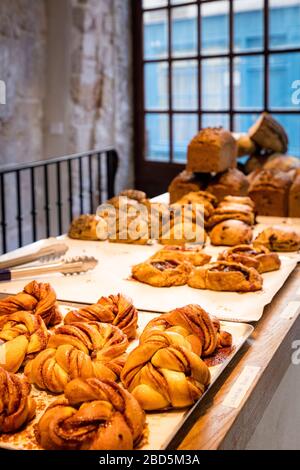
38,298
258,257
294,196
211,150
234,211
226,276
193,255
185,183
160,273
203,198
279,238
16,406
193,323
22,335
92,415
269,189
182,233
163,372
117,310
230,183
231,233
139,196
245,200
84,227
282,163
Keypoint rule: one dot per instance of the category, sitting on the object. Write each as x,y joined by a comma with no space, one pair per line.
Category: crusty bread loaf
294,197
230,183
282,162
269,189
185,183
212,150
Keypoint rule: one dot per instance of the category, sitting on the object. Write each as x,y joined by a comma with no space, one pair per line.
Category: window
210,62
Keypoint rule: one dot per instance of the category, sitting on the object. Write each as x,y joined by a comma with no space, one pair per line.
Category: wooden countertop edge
270,348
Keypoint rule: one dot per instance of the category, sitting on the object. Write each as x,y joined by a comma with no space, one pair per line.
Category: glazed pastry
16,406
84,227
193,255
193,323
38,298
238,200
229,211
226,276
163,372
180,234
231,233
279,238
22,336
160,273
117,310
92,415
258,257
53,369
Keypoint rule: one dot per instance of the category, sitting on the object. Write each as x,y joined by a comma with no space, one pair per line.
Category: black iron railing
40,199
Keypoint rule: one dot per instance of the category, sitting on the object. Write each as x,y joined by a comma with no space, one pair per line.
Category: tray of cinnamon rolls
104,376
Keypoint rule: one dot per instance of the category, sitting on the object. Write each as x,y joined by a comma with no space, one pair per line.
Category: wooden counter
270,347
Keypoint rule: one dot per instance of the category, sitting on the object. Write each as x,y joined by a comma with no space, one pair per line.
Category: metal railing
40,199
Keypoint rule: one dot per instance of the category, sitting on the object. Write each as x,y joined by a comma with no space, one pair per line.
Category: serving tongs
72,266
50,249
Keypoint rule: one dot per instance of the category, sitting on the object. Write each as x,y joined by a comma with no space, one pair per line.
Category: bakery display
258,257
217,144
92,415
193,254
226,276
231,233
38,298
117,310
279,238
269,189
163,372
17,408
195,325
22,336
84,227
162,273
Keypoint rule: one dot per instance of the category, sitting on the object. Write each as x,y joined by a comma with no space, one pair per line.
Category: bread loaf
229,183
294,197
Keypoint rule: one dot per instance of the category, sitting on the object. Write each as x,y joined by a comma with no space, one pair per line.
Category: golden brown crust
23,336
117,310
282,163
135,194
92,415
232,182
294,196
231,233
258,257
84,227
227,211
245,200
166,273
16,405
226,276
193,255
193,323
38,298
182,233
163,372
183,184
203,198
279,238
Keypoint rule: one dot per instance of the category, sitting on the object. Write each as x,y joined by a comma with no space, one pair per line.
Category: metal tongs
72,266
47,250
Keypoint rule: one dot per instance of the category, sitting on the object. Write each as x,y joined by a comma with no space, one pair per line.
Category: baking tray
113,274
164,428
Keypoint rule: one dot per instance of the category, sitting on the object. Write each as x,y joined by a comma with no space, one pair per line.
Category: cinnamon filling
227,269
163,265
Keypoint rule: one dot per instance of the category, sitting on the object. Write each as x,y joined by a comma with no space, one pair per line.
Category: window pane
284,23
248,25
185,85
242,122
215,120
154,3
156,86
155,34
185,126
184,31
175,2
291,124
284,71
215,84
157,137
248,82
215,27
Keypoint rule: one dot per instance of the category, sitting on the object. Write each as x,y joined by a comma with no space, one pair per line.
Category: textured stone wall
101,86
